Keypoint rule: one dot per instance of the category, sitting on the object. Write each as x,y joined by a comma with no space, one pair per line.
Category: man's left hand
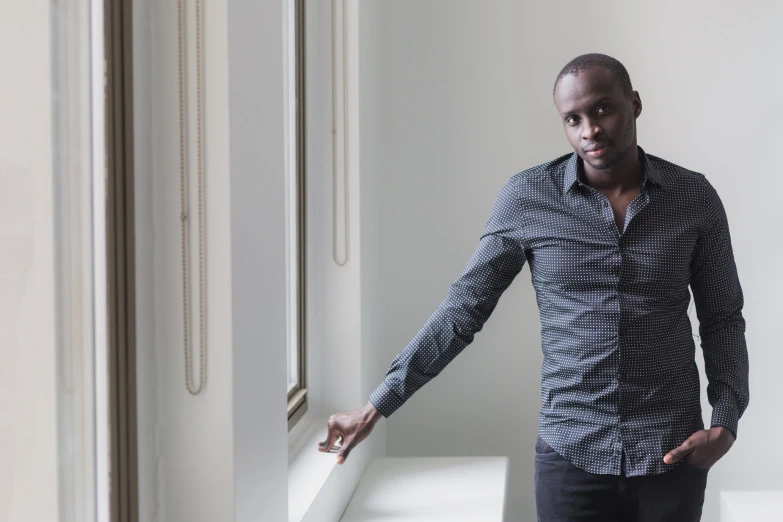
704,448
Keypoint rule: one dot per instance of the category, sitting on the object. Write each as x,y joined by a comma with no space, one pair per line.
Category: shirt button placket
608,215
618,447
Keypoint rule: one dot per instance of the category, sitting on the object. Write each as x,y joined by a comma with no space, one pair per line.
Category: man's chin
601,163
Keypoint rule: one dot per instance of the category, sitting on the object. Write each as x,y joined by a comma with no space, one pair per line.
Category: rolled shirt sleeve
719,300
469,302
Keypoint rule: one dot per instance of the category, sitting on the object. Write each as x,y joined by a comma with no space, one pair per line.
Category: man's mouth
597,151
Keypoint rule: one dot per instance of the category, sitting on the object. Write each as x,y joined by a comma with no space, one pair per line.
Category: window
295,210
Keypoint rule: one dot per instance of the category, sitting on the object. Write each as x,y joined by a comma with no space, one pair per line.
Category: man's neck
623,177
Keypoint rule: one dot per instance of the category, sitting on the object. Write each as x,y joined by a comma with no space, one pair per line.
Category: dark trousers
566,493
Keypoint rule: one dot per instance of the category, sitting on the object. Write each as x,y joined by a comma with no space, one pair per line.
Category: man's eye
570,120
603,107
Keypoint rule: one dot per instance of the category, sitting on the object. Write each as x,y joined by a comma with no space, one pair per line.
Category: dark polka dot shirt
619,372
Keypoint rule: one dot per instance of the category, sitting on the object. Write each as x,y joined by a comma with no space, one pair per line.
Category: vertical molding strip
120,275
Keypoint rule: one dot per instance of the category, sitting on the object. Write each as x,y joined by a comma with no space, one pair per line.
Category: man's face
599,120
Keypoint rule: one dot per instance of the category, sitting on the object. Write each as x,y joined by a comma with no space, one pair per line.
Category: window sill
308,468
425,488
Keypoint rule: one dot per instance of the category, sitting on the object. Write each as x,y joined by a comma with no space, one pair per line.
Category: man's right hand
352,427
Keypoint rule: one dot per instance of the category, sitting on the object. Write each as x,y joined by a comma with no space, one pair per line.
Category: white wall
462,100
149,443
370,109
28,414
256,116
220,455
338,354
189,437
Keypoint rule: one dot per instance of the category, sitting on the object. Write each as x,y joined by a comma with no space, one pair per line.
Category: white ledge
751,506
308,468
429,489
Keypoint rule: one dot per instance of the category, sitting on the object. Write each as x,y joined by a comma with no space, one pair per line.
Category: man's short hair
586,61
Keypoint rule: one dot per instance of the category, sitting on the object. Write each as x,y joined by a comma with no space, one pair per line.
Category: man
614,237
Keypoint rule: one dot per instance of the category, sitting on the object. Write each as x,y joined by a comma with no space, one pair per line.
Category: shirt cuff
726,416
385,399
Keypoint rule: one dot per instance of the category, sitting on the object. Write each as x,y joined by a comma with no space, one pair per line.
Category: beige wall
28,415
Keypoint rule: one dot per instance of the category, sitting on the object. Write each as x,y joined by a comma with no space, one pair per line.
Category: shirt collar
574,171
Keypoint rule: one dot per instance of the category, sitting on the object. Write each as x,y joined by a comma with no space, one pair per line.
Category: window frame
120,260
297,396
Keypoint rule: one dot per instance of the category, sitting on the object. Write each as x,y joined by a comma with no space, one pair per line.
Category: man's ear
636,101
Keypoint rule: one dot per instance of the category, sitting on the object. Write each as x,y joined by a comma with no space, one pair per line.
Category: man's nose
590,131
